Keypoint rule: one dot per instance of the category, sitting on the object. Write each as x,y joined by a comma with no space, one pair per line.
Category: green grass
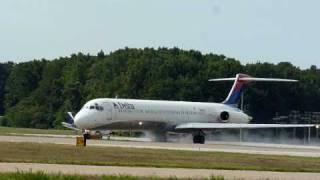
42,176
117,156
10,130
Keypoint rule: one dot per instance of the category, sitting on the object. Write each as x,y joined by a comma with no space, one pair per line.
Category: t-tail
240,82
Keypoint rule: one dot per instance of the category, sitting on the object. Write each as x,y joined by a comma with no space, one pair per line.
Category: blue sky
248,30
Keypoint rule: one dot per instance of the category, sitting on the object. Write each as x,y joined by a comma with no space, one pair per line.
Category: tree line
38,93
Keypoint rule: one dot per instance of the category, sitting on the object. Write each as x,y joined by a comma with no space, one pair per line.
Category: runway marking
149,171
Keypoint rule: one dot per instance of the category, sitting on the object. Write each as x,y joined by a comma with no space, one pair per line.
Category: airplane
161,116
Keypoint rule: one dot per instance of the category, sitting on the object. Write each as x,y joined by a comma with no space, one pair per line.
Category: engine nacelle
224,117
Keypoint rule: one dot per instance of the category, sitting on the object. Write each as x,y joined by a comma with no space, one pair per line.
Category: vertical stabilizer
240,82
236,90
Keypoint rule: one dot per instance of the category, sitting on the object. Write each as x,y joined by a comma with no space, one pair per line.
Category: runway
235,147
218,146
160,172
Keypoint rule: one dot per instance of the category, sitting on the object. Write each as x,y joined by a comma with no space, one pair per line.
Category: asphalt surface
235,147
160,172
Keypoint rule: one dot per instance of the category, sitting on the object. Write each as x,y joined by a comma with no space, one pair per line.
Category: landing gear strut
199,138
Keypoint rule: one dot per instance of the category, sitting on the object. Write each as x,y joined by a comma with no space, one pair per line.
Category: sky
247,30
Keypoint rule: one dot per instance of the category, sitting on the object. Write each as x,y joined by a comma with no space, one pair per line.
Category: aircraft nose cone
79,119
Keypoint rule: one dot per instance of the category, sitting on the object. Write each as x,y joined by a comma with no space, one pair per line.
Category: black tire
195,139
198,139
98,135
86,136
201,139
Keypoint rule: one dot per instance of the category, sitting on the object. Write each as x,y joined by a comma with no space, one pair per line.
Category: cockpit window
99,108
95,106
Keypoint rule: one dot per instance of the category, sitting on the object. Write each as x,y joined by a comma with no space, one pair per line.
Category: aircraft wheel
198,139
98,135
86,135
201,139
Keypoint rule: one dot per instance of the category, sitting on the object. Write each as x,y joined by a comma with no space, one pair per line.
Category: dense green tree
22,80
5,69
40,92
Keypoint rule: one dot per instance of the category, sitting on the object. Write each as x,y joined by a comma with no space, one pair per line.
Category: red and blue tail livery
236,90
240,82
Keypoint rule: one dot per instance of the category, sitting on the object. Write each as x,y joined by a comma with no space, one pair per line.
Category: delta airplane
171,116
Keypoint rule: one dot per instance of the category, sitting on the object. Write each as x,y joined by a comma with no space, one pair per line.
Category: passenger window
91,107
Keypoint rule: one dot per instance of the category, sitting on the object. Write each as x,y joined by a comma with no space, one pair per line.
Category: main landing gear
199,137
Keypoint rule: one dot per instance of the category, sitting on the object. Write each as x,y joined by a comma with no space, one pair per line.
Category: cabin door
108,111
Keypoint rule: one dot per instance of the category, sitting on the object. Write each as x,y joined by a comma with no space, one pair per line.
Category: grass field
11,130
117,156
43,176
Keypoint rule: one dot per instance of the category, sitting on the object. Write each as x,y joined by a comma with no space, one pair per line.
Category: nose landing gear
92,134
89,135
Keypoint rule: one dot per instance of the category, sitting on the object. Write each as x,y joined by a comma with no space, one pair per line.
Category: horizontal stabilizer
70,126
71,116
255,79
240,82
204,126
222,79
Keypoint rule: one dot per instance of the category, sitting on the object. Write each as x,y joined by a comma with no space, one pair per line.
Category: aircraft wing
207,126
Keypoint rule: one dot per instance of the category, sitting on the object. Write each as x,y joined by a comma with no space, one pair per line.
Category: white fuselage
130,114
